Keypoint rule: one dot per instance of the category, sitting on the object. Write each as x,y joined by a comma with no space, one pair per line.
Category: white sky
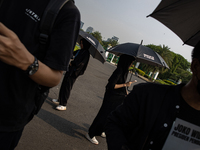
126,19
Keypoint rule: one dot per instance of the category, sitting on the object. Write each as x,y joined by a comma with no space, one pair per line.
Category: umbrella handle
129,81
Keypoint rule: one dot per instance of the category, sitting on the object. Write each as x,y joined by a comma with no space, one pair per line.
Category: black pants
66,87
110,103
9,140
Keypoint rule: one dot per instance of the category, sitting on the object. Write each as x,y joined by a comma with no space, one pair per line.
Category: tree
185,75
97,35
175,64
110,42
113,42
184,64
165,53
105,44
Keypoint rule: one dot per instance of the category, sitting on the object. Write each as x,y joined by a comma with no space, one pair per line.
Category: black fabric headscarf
124,63
86,44
80,62
120,74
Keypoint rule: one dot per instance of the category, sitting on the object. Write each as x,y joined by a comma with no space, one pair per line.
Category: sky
127,20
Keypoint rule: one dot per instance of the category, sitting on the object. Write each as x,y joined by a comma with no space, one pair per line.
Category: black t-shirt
17,89
187,113
117,77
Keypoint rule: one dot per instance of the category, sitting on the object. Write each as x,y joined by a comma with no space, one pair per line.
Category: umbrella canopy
182,17
96,50
141,53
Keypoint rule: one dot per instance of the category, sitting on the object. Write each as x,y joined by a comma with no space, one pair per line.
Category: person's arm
122,122
114,78
13,52
127,84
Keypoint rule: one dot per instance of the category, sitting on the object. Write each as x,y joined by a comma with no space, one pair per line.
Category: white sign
183,136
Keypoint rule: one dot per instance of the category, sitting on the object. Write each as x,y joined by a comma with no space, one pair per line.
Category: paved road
65,130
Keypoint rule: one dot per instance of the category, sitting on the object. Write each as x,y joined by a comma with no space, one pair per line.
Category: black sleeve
63,37
114,79
122,122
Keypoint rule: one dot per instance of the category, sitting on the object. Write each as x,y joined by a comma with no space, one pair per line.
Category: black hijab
119,76
124,63
86,44
80,62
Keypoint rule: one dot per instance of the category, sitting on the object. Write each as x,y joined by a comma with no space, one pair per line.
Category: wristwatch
32,69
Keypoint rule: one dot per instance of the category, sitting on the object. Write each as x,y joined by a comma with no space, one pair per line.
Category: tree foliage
110,42
105,44
113,42
179,66
97,35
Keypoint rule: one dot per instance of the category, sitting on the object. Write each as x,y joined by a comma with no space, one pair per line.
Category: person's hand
12,51
130,82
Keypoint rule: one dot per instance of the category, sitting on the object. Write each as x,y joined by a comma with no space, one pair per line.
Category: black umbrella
182,17
141,53
96,50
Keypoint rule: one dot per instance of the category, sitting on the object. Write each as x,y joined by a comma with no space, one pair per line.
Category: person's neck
190,95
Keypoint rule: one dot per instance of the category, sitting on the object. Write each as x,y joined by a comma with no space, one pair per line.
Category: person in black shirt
77,68
114,96
151,111
19,49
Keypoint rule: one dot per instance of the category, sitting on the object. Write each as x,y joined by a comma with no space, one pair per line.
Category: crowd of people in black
141,119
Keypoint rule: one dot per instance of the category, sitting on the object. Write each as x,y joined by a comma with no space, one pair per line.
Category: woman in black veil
114,96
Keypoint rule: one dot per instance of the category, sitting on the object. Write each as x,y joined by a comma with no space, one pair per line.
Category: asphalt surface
65,130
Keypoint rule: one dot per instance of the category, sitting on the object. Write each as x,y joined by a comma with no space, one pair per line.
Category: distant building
90,29
81,26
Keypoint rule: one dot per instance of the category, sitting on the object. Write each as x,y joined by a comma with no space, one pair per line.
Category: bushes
166,82
161,82
131,68
140,72
169,82
147,76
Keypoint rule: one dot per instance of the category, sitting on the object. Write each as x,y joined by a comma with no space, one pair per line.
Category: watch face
33,70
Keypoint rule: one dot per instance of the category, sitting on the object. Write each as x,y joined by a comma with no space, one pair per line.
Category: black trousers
9,140
66,88
110,103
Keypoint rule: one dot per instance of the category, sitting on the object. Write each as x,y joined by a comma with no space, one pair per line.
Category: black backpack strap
47,22
46,26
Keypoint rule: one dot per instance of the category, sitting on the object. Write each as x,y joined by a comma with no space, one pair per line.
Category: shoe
103,135
93,140
55,101
60,107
